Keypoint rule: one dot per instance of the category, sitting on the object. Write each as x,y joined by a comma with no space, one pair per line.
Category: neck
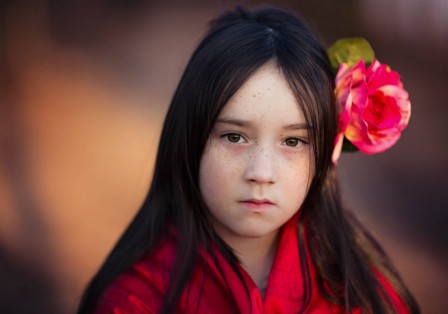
256,256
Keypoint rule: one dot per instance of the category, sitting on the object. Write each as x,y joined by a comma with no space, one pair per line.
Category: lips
258,205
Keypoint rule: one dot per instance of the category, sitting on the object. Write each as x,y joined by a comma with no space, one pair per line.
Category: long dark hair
238,43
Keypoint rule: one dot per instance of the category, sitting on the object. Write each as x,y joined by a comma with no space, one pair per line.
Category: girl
244,214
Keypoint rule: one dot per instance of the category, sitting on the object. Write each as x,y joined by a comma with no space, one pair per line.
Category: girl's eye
234,137
293,141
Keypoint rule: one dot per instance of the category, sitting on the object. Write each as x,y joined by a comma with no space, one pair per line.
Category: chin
256,232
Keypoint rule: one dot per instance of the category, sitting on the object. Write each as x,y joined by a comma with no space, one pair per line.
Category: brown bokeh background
84,88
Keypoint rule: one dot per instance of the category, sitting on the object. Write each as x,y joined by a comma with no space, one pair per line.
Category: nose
261,167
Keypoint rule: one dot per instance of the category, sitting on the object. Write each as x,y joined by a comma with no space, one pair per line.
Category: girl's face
256,166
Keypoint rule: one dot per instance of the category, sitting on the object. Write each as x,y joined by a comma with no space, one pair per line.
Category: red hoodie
142,288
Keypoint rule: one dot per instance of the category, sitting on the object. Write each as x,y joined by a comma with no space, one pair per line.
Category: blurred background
84,86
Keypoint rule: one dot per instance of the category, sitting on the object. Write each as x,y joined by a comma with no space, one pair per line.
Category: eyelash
297,139
227,136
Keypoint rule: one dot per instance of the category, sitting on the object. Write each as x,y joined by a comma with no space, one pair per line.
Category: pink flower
374,107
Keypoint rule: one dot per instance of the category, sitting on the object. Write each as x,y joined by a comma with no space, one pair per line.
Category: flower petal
337,148
374,106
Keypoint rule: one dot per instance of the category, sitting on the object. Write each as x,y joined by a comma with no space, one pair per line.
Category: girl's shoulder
141,288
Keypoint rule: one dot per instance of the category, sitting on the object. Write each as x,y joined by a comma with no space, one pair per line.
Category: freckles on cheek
213,164
229,154
236,150
221,163
300,170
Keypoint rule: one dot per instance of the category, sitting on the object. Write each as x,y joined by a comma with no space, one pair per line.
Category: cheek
298,167
219,163
216,171
297,177
207,171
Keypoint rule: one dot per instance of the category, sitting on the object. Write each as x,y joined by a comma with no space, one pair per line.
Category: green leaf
348,147
350,50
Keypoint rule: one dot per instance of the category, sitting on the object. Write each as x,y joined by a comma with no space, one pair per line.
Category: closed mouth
258,201
258,205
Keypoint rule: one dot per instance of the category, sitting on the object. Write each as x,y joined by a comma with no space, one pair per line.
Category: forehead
265,95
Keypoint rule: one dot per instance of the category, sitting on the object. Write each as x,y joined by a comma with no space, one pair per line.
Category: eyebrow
245,123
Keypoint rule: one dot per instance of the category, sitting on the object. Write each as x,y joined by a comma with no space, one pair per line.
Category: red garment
141,289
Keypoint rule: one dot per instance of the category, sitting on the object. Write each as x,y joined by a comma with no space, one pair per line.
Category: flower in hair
374,107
